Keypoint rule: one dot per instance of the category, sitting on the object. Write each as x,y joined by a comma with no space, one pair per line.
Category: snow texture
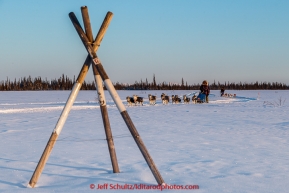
227,145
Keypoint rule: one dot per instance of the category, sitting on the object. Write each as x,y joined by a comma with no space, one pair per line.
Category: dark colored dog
186,99
176,99
194,99
130,100
138,100
165,98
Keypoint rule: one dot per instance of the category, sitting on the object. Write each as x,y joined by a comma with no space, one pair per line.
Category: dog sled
201,98
197,97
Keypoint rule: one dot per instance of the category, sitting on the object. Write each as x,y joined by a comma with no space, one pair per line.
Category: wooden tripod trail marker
76,87
100,92
108,84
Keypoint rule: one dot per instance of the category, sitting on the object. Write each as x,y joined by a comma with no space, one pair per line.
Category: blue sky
192,39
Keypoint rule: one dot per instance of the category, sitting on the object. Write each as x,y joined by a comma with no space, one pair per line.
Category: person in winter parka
222,91
205,89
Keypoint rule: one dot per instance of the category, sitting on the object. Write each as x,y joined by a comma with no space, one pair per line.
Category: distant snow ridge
45,108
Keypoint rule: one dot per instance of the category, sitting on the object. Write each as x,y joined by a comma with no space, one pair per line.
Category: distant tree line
65,83
62,83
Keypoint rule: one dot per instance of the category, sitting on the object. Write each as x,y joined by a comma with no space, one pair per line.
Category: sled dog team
203,97
136,100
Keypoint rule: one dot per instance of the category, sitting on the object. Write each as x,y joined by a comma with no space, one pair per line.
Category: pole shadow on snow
19,185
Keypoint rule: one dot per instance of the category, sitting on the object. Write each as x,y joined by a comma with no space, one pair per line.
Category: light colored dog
152,99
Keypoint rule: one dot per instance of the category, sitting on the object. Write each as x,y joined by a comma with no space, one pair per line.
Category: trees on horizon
65,83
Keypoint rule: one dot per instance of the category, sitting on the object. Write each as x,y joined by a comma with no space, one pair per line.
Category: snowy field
228,145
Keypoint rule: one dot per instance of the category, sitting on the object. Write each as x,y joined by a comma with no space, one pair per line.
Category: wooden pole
108,84
76,87
105,119
101,96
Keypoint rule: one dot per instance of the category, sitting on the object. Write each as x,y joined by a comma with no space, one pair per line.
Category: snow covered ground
228,145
